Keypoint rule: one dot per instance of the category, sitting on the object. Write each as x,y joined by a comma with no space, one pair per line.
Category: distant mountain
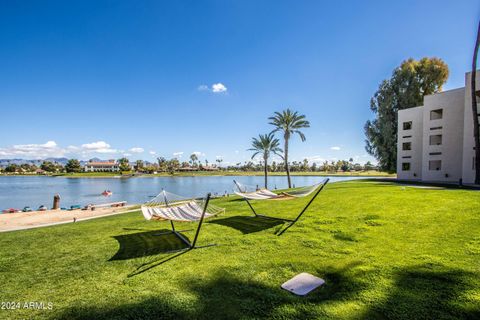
62,161
37,162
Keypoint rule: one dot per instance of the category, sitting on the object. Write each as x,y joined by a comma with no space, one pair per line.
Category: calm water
17,192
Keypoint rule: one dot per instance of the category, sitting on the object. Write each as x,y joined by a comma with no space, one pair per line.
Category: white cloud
335,148
51,149
136,150
198,153
127,154
218,88
48,149
317,159
219,157
178,154
215,88
152,153
98,147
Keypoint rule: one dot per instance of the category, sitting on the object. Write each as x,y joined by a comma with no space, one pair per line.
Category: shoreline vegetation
371,173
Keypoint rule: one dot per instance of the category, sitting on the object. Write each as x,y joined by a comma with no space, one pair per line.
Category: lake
20,191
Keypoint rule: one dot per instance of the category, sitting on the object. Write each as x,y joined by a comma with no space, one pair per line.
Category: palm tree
193,159
289,123
264,145
476,130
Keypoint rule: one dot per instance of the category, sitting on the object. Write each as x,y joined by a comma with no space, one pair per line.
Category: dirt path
36,219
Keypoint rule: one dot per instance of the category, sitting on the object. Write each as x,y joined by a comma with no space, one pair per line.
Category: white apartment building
435,141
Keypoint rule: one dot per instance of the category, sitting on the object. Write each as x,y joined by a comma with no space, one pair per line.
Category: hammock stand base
292,221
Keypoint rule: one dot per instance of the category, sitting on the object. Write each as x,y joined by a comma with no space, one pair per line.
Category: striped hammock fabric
265,194
168,206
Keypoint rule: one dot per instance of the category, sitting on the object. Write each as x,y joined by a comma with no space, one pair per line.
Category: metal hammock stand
265,194
168,206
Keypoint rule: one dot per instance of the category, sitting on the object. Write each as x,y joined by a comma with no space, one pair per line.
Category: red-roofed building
102,166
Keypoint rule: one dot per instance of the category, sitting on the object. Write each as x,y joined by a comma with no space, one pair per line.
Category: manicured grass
385,251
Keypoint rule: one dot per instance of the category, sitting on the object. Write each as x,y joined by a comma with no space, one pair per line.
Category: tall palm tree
289,123
265,145
476,130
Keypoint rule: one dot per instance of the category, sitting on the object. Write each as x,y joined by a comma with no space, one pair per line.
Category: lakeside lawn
385,251
371,173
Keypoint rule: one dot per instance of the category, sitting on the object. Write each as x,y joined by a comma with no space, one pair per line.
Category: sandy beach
35,219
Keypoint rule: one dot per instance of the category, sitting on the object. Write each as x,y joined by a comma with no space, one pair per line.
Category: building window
436,140
435,153
407,157
435,165
436,128
407,125
406,136
406,166
407,146
436,114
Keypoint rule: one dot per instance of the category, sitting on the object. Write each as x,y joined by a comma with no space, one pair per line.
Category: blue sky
164,78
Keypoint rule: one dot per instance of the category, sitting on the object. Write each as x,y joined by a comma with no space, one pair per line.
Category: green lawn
385,251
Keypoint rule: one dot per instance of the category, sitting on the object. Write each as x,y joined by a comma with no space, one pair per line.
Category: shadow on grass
248,224
423,292
144,267
225,296
417,293
142,244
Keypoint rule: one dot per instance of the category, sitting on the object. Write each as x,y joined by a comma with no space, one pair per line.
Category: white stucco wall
468,142
415,136
452,103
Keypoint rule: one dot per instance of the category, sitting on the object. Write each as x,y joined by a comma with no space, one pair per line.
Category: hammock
253,193
169,206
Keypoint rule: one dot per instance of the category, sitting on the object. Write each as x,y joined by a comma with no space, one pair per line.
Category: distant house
188,168
209,168
102,166
40,171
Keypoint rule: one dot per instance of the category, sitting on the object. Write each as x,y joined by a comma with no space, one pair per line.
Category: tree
173,165
162,164
193,159
304,166
409,83
219,161
368,166
124,164
48,166
73,165
476,131
11,168
139,165
289,123
265,145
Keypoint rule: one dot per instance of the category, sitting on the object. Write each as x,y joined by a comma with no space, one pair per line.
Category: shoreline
213,174
37,219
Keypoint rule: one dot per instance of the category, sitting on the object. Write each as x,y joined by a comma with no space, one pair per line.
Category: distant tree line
303,166
173,165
